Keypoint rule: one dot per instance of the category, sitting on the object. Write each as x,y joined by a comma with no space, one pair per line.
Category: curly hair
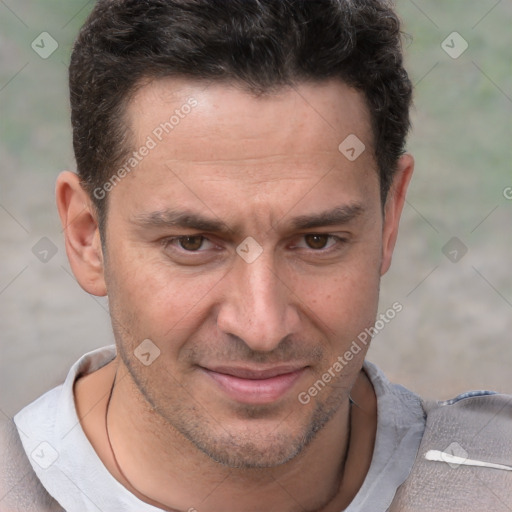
261,44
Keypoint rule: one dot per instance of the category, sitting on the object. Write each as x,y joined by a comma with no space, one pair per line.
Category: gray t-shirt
71,471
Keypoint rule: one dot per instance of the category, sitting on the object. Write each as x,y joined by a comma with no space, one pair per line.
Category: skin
254,164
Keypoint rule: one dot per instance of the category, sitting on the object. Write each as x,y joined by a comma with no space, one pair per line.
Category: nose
258,304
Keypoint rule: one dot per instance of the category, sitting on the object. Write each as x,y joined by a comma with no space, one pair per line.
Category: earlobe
393,208
82,236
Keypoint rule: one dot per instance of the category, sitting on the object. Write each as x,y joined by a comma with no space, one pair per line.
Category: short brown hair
261,44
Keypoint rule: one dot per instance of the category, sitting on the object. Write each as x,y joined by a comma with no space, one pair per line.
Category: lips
255,374
255,386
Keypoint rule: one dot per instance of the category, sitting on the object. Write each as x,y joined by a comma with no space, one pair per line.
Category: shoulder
20,489
476,426
52,412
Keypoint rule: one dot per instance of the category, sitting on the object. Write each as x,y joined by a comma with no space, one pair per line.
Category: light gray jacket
479,426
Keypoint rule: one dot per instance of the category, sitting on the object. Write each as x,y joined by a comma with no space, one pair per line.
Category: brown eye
191,243
316,241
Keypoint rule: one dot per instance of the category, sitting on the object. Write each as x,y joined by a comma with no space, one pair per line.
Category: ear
80,226
393,209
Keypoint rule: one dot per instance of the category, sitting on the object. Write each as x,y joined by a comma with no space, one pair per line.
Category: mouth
255,386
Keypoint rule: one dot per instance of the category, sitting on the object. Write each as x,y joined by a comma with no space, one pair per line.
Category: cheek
345,297
345,304
152,298
344,308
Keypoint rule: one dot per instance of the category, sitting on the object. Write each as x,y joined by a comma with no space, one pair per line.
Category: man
241,175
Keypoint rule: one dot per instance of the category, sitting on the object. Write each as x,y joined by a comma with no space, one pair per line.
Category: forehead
220,142
232,123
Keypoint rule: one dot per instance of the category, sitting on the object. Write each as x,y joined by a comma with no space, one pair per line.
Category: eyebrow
340,215
190,220
180,219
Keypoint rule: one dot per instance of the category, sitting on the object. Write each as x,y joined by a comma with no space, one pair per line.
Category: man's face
243,324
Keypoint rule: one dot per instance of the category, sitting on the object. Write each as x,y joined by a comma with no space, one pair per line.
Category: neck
158,465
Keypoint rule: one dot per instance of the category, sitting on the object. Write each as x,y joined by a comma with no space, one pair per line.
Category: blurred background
451,270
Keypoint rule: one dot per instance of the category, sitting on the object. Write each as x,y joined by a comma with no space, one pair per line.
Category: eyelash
339,241
167,242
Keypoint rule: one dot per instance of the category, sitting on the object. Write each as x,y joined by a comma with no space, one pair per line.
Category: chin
252,444
267,452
